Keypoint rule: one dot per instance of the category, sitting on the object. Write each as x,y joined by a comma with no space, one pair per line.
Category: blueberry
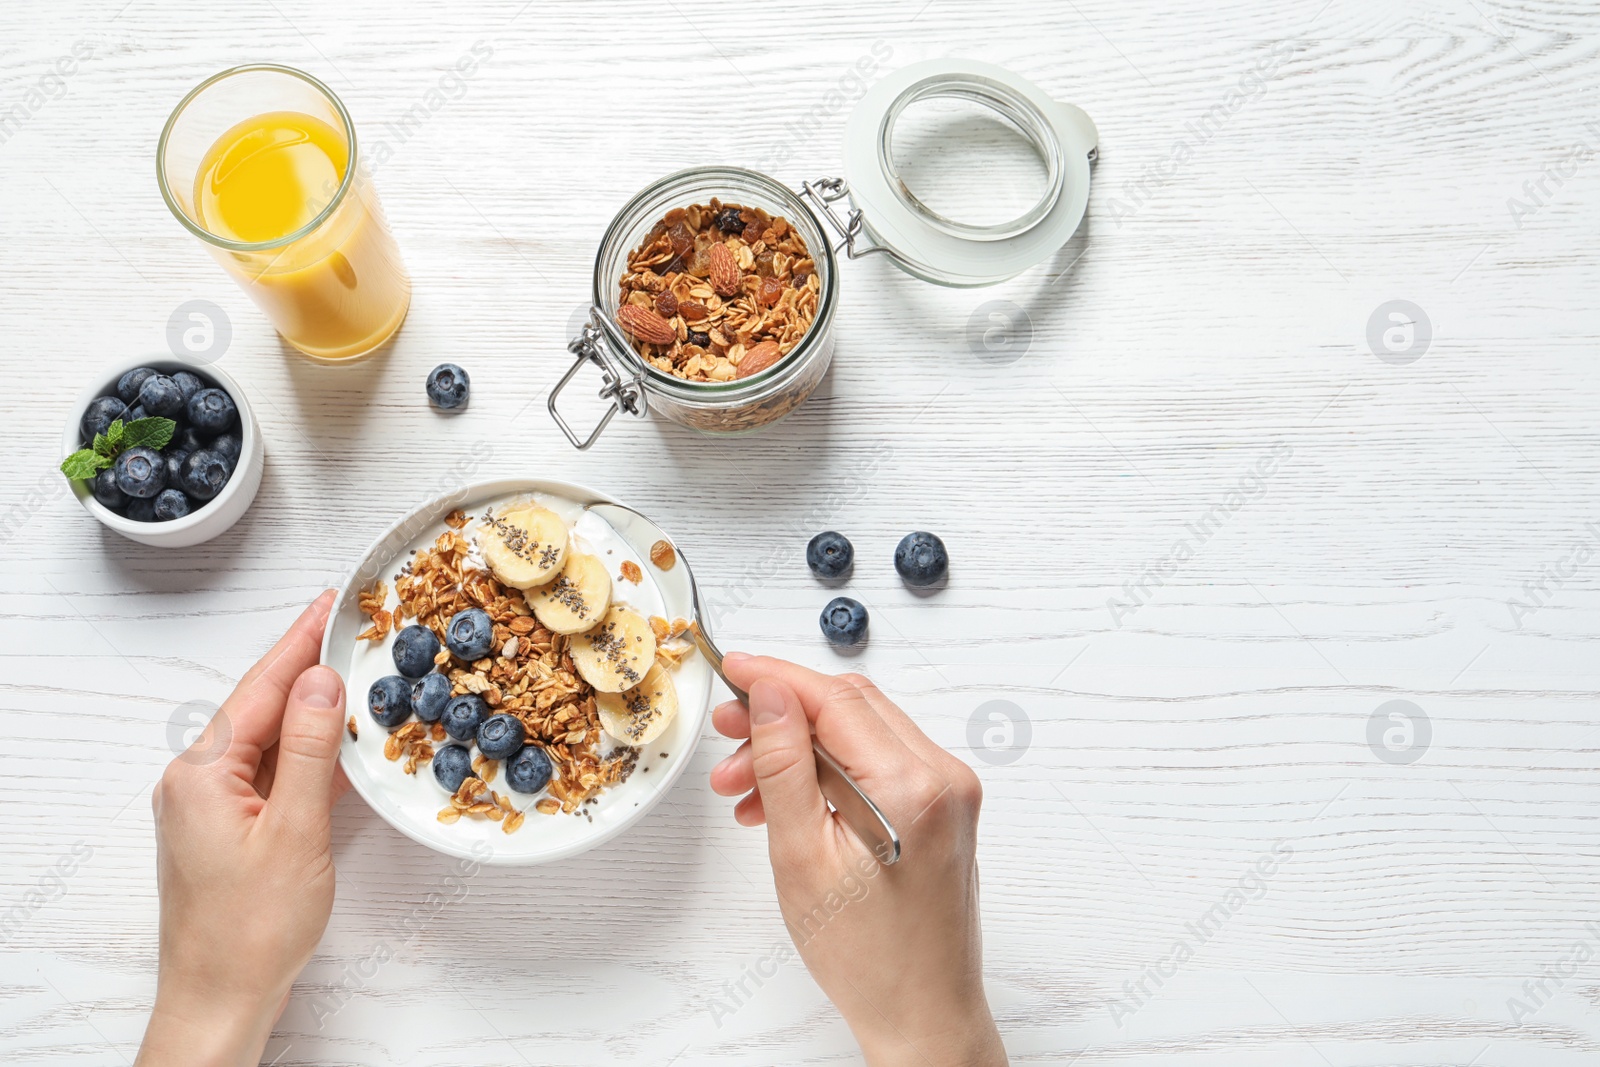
136,413
212,411
188,384
141,510
414,649
174,458
141,472
128,385
161,397
102,412
499,736
844,621
104,488
429,695
452,765
171,504
228,446
529,770
921,559
830,554
203,474
448,386
728,220
389,700
188,439
470,634
462,716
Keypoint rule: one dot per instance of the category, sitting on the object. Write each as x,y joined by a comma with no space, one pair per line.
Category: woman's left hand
242,859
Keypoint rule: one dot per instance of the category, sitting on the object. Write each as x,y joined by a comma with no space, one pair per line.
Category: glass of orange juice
261,163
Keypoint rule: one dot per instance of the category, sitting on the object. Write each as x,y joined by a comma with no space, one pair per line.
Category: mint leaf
114,434
101,446
84,463
147,433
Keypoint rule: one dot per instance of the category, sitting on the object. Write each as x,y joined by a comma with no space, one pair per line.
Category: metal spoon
838,788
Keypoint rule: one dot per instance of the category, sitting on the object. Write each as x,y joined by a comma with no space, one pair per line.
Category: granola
718,292
528,672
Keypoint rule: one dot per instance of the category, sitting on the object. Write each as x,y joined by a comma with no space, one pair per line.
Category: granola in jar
718,292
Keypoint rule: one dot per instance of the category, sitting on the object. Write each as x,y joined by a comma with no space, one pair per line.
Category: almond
759,358
724,270
645,325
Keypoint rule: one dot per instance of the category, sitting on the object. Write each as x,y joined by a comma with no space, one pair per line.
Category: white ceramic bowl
411,803
218,514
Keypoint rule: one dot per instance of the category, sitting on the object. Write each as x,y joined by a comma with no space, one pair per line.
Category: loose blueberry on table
500,736
830,554
463,715
389,701
470,634
448,387
921,559
429,695
529,770
844,622
414,649
160,447
452,765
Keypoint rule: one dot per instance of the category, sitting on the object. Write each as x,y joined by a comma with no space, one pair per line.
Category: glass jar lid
962,245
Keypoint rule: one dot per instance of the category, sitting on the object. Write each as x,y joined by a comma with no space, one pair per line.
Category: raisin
800,279
728,220
682,239
771,289
666,304
764,264
698,338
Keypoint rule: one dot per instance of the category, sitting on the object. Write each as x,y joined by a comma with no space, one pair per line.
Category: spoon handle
838,788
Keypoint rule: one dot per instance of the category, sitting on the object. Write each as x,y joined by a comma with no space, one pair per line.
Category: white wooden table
1209,324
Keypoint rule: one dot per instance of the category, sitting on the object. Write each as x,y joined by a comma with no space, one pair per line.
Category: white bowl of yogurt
411,802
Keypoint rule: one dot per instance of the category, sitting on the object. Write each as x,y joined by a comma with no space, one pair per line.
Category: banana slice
638,716
578,597
616,654
525,545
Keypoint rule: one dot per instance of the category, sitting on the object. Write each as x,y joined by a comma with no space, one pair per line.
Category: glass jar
884,216
635,385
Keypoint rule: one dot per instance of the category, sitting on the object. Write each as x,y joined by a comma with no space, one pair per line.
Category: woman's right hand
897,949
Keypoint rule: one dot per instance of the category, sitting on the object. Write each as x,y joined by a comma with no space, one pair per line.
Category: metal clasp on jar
623,389
823,194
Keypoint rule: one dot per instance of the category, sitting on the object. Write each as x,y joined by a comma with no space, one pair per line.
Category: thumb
308,749
786,771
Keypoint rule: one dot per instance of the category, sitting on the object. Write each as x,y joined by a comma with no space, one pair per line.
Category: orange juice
336,290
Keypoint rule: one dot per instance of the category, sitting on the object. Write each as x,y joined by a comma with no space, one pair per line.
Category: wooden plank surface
1198,360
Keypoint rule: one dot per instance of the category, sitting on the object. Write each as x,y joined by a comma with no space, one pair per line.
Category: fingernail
766,704
736,658
726,761
318,687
